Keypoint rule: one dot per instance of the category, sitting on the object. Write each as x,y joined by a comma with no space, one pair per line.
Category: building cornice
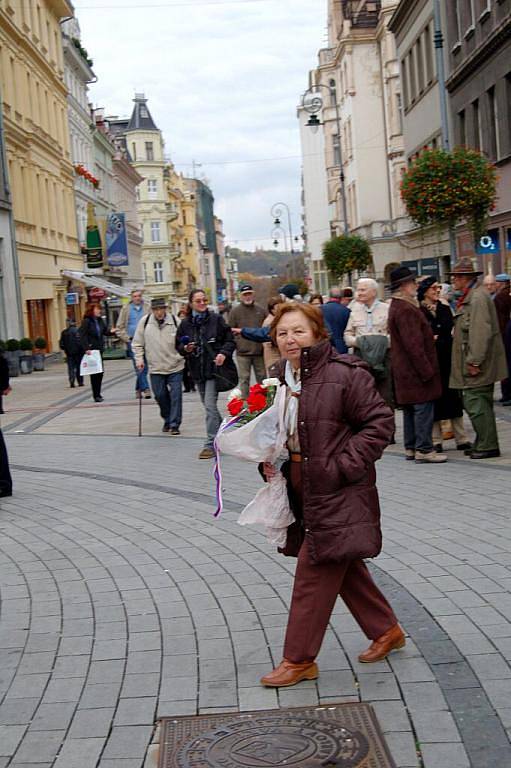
71,52
402,14
478,57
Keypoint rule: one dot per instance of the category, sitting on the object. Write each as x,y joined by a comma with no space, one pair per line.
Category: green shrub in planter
2,346
40,343
26,345
12,345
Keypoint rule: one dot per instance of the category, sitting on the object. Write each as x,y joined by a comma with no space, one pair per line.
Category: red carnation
235,405
256,401
257,389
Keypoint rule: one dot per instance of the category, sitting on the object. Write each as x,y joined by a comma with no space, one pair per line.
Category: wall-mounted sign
72,298
97,294
489,243
116,240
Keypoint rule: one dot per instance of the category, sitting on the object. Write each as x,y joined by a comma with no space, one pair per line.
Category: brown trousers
315,591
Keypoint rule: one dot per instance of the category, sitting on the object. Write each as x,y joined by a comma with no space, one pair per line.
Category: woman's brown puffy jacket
344,427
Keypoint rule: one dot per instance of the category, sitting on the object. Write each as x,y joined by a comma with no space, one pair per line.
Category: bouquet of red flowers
260,397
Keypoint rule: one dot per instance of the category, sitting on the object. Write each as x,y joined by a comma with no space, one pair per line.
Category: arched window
333,92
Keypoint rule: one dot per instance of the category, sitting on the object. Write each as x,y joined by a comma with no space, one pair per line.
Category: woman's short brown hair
313,314
91,306
273,301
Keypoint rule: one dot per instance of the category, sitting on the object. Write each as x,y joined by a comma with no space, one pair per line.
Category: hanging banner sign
93,240
116,240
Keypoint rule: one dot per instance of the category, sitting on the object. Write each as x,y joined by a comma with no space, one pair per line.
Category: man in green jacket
478,357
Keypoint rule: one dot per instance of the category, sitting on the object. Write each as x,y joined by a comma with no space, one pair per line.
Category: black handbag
226,375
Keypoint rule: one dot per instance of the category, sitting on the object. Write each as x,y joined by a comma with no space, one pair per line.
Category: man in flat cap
478,358
249,354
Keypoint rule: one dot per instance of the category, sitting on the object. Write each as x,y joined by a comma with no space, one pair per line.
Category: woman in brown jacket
338,426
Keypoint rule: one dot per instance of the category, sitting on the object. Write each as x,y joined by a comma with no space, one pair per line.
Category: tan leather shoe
379,649
288,673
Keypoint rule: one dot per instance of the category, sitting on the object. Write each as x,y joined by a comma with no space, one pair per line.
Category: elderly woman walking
338,426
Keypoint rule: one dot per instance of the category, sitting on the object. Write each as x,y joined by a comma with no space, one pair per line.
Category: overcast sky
223,79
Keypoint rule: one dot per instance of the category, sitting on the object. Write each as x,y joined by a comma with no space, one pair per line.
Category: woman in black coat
450,405
5,475
92,336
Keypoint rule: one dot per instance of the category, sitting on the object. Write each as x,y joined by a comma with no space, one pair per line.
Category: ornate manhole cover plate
338,736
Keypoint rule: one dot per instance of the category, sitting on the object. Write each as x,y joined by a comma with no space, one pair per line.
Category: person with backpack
71,345
206,341
155,342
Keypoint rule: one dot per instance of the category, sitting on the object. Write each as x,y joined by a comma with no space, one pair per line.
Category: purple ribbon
217,471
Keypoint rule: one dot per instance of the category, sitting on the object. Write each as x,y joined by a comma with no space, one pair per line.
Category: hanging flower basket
444,188
80,170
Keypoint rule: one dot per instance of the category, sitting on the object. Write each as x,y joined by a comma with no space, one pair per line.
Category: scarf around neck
295,387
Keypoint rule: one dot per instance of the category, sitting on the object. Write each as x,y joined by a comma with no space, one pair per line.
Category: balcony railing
362,13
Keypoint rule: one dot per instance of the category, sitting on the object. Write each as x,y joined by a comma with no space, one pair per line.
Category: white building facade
77,76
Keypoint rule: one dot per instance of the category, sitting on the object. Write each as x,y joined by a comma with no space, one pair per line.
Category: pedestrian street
123,600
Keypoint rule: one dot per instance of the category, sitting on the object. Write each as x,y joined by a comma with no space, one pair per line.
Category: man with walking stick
155,341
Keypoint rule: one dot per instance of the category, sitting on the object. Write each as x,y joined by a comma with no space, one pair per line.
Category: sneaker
174,431
165,428
147,394
99,399
409,455
207,453
430,458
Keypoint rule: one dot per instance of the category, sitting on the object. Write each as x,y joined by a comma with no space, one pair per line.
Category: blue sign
72,298
116,240
489,243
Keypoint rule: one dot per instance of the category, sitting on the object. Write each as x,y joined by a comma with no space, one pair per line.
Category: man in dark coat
72,346
5,475
414,368
503,308
336,317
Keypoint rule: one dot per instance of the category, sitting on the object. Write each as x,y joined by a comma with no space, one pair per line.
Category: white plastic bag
261,439
91,363
270,507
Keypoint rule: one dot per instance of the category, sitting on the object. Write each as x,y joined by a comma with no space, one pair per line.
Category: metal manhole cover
338,736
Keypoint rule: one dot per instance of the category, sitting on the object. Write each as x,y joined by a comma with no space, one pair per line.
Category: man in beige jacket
127,322
155,342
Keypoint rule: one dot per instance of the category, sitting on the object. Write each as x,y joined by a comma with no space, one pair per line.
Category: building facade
479,85
11,318
413,27
36,133
77,76
358,79
126,181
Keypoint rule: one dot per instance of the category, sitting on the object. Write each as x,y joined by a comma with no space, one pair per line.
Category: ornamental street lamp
276,211
312,102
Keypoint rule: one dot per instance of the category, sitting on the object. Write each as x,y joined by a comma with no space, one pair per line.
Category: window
411,77
508,116
420,65
144,267
158,271
399,106
476,125
404,78
428,51
141,231
144,112
483,8
493,125
333,92
134,151
468,16
336,149
149,153
457,19
462,128
152,188
155,232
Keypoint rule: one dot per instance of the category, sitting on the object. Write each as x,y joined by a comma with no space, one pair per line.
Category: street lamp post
313,106
276,212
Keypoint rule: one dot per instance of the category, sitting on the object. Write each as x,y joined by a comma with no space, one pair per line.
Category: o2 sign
489,243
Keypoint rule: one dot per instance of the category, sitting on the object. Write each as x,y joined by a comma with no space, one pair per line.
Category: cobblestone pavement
123,600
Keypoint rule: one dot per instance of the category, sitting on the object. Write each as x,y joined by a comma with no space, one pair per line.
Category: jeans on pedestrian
168,391
418,426
245,364
73,368
141,383
209,397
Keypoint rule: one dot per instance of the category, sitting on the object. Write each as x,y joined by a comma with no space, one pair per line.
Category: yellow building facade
34,102
183,236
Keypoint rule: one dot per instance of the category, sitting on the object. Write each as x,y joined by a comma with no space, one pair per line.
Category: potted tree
11,354
39,356
26,347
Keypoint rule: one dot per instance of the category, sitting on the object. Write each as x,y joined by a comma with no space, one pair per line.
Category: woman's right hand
269,470
190,347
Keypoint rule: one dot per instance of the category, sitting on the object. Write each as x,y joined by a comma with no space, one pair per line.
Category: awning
96,282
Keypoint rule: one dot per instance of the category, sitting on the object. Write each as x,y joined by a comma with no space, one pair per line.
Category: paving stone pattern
123,600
